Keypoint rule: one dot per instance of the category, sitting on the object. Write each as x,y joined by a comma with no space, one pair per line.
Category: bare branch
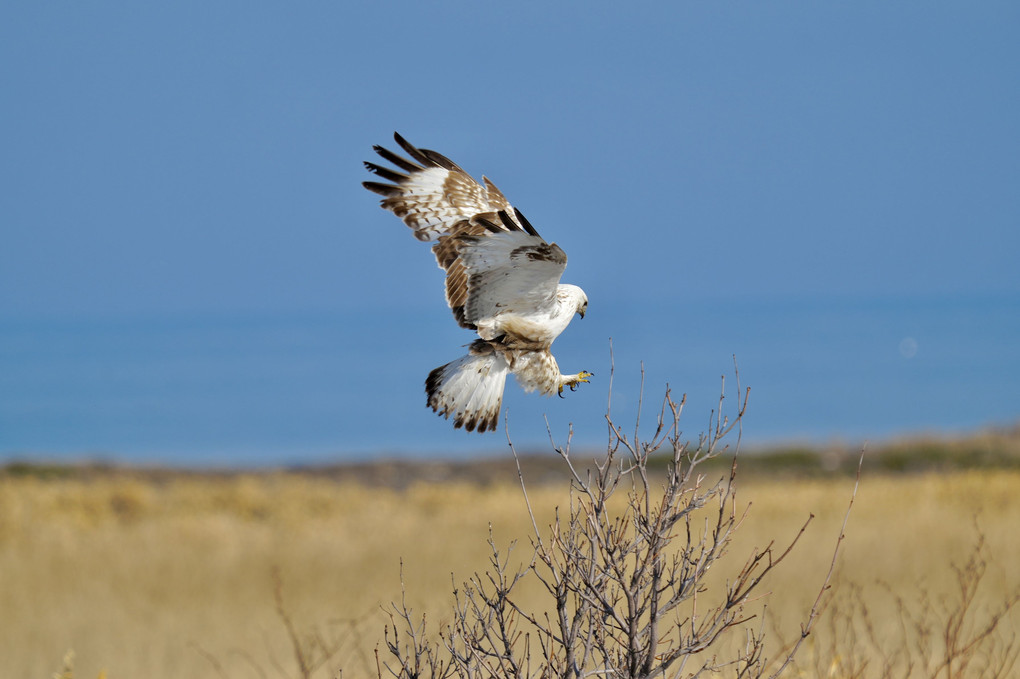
625,578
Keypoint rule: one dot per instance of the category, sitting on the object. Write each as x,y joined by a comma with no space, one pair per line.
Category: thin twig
816,607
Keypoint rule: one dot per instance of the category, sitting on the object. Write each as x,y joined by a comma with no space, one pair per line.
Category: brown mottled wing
430,192
497,264
448,254
494,259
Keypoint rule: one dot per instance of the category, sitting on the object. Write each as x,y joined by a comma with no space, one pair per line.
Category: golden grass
147,576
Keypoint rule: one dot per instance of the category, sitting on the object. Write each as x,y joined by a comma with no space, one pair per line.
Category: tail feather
470,389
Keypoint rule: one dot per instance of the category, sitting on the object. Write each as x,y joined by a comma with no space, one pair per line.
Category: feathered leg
538,370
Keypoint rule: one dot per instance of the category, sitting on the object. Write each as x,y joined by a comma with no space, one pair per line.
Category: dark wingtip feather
381,189
509,223
385,172
527,225
403,163
412,150
440,160
426,157
489,226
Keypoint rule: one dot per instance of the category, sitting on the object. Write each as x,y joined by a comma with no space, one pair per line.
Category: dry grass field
172,575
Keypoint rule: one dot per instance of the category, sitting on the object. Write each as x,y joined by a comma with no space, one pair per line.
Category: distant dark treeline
988,449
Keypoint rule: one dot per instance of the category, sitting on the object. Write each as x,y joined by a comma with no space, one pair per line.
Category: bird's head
576,295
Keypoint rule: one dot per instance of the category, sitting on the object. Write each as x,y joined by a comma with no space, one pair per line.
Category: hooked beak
581,312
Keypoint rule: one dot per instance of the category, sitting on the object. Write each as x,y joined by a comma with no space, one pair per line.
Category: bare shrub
626,584
948,636
315,649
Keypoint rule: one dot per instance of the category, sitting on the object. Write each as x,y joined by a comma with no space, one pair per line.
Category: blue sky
163,161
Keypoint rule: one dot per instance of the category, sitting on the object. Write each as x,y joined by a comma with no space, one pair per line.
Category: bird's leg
573,380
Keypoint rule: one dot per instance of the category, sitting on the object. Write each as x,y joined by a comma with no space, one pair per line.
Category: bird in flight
502,281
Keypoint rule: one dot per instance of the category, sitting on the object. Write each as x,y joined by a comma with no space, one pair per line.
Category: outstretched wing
430,192
495,260
508,268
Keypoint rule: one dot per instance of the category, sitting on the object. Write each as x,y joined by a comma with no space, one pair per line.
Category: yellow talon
580,377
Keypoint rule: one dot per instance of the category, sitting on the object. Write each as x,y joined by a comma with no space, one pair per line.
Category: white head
571,293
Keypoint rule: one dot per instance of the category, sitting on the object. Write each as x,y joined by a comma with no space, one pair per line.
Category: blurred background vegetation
165,573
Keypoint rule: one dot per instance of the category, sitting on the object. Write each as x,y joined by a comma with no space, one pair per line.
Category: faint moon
908,347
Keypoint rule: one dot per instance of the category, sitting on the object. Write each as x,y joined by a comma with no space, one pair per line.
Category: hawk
502,281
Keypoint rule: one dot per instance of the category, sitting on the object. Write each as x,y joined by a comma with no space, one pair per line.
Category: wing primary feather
381,189
400,162
525,223
385,172
496,196
489,226
509,223
413,151
442,161
427,156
